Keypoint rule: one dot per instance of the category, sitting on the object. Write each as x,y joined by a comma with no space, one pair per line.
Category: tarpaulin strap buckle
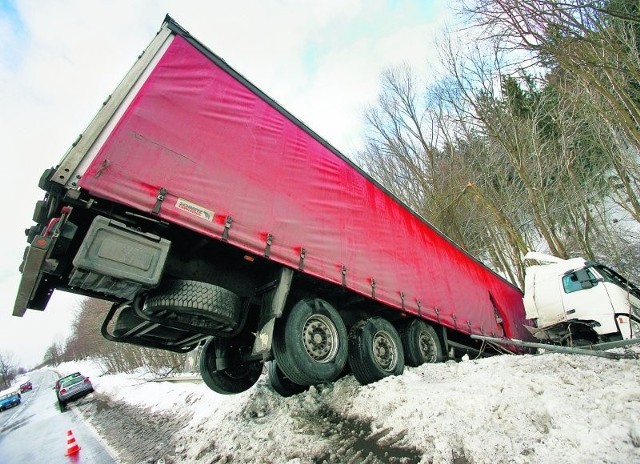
103,166
455,320
159,199
437,314
402,299
344,275
303,254
267,249
227,226
419,303
469,325
373,288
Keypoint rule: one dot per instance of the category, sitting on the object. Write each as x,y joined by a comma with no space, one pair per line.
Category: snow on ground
506,409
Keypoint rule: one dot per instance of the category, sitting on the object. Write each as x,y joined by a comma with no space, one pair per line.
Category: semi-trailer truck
211,217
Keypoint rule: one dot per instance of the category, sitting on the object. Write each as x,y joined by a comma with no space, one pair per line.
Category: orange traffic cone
72,446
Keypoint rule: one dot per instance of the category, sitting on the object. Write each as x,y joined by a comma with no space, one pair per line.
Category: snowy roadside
505,409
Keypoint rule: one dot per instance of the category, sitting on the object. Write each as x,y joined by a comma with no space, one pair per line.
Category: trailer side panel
197,146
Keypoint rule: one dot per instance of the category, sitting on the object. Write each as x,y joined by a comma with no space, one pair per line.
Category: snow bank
505,409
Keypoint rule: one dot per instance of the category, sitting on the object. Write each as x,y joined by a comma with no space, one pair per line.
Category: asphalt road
36,430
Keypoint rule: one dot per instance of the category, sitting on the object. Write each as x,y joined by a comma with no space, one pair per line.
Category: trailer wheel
193,302
237,378
310,342
281,383
375,350
420,342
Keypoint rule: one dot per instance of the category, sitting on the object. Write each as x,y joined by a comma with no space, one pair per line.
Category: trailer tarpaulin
198,144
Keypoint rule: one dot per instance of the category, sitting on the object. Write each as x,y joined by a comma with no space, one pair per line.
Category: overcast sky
321,60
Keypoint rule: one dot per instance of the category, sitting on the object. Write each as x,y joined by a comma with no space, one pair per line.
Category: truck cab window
571,282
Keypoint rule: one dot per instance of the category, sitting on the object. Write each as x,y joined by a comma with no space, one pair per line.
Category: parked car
56,387
26,385
9,399
73,387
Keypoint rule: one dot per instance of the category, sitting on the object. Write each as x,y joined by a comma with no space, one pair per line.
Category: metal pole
556,348
616,344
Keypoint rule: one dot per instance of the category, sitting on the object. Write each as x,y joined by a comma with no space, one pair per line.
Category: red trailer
210,215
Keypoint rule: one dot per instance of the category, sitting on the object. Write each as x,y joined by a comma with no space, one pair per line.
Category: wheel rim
320,338
427,346
385,352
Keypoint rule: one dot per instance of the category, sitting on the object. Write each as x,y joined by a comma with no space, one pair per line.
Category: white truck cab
578,302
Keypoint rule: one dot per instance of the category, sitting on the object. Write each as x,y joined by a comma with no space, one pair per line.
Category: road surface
36,430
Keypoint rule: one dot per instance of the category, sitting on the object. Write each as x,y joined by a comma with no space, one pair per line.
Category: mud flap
273,301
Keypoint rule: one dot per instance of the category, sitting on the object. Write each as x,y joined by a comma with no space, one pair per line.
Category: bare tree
594,42
8,368
86,341
502,161
54,355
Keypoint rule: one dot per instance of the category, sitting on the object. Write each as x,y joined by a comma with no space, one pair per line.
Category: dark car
26,386
73,387
9,399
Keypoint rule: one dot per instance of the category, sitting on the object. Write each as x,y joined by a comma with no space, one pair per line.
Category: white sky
321,60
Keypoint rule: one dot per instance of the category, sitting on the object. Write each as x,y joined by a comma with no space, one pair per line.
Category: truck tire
420,342
375,350
281,383
192,302
237,378
310,342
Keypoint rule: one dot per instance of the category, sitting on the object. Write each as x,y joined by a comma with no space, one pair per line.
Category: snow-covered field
550,408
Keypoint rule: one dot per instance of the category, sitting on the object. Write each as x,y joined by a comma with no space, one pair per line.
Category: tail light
64,390
86,379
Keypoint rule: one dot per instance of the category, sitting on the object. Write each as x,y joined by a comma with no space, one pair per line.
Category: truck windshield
613,277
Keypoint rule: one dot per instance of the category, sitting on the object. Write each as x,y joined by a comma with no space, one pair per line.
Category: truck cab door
542,296
584,297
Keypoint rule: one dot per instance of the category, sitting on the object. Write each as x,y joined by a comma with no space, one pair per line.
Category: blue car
9,400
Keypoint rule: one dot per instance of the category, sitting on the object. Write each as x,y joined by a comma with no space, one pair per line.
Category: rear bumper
75,394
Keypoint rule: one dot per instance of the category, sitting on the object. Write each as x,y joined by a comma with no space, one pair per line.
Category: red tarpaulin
220,149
